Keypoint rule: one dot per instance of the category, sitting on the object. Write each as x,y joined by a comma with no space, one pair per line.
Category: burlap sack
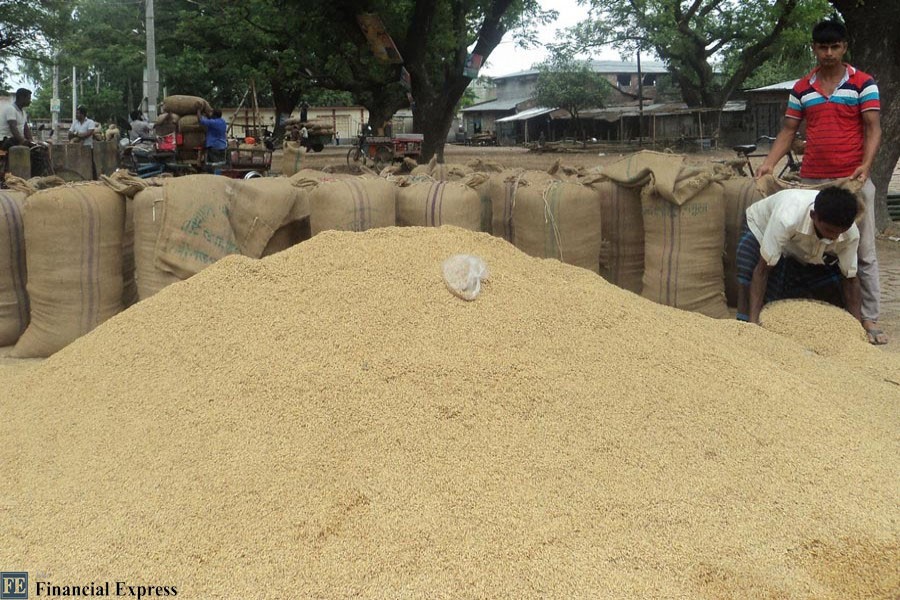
622,254
189,124
436,203
186,105
166,118
73,241
14,311
502,188
295,226
207,217
442,171
684,230
355,204
739,193
560,220
292,156
683,248
129,285
148,209
193,140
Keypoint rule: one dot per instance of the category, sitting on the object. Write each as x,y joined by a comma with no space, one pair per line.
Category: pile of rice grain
330,421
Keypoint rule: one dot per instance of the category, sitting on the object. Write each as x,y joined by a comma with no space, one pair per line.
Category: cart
380,151
246,163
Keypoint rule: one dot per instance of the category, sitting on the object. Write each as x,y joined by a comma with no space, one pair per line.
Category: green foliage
24,28
567,83
695,37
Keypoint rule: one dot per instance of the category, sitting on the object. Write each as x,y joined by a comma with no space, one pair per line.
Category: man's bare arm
872,134
852,294
758,285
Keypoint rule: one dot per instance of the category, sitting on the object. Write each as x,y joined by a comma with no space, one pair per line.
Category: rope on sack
548,217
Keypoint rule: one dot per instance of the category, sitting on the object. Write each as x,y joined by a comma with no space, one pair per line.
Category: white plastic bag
463,274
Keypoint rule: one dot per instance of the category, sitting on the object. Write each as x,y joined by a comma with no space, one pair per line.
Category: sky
508,58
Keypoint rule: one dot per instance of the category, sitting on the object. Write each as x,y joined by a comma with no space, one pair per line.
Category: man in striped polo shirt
840,105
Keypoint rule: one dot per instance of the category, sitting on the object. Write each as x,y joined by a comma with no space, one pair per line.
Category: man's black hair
829,32
81,109
22,92
135,115
216,113
836,206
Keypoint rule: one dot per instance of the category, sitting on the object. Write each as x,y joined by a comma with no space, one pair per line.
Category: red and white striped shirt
834,124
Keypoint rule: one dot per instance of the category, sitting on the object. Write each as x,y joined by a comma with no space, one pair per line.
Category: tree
564,82
23,28
875,48
436,49
692,36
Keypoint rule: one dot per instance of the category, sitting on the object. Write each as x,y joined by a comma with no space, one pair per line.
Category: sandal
876,336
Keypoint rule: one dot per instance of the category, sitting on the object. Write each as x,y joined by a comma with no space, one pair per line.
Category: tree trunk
875,48
285,99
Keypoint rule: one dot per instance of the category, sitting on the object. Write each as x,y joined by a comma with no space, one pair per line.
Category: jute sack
190,124
129,285
683,246
167,118
355,204
436,203
739,194
292,158
502,188
295,226
684,230
622,254
207,217
186,105
442,171
148,209
73,241
14,311
561,220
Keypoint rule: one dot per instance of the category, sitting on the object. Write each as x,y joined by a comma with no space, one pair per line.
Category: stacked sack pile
82,253
179,117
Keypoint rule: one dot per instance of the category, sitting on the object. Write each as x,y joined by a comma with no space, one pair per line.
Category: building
765,109
345,120
514,115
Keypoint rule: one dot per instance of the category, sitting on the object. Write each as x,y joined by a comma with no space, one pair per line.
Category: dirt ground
888,244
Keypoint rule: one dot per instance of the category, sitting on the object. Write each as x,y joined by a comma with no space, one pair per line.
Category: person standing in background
216,141
82,129
841,107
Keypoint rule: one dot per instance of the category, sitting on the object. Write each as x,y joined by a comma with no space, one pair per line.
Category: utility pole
640,100
151,75
74,92
54,102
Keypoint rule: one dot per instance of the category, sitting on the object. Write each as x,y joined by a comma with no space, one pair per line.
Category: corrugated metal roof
509,104
784,86
614,113
527,114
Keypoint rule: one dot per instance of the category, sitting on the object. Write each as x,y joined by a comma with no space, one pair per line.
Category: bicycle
745,152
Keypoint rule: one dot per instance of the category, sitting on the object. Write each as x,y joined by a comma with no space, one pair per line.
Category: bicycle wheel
355,157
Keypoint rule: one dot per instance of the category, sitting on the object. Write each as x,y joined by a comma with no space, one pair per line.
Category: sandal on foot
876,336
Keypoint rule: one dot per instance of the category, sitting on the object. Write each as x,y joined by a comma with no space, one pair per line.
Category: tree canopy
564,82
698,39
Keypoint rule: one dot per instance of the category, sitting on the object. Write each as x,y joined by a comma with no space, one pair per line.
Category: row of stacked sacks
649,223
79,254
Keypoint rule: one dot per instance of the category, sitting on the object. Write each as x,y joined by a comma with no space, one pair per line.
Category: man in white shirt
798,244
14,129
82,130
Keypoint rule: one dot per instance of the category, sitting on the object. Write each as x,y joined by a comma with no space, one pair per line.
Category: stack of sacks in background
81,253
179,116
683,212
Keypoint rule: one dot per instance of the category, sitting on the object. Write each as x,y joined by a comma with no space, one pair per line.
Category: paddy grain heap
331,421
